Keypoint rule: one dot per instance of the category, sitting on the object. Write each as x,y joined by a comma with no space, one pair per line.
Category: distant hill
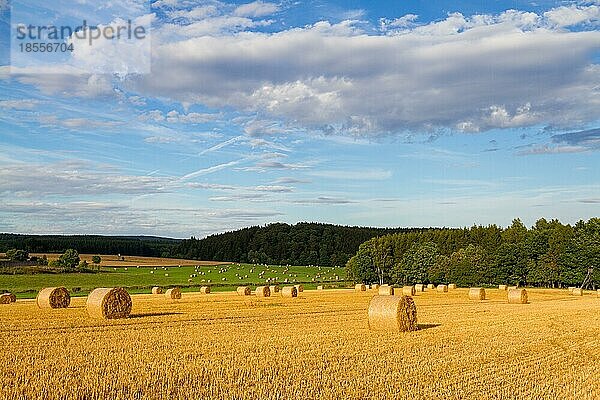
300,244
149,246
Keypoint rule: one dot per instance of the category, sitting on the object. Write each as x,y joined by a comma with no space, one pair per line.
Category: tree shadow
421,327
153,314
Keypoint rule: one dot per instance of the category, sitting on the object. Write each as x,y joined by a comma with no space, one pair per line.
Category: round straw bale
393,313
512,287
577,292
408,291
289,291
53,297
360,287
244,291
263,291
12,296
274,288
476,293
430,286
452,286
386,290
442,288
108,303
5,298
375,286
517,296
157,290
173,293
320,287
502,287
205,289
299,288
571,288
419,287
598,292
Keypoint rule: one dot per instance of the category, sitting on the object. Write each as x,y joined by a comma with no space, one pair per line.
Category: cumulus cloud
470,74
573,15
256,9
463,73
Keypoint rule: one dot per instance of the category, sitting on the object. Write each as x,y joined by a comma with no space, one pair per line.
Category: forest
148,246
549,254
300,244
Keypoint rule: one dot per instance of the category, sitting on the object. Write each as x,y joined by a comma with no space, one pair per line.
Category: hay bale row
299,288
431,286
109,303
173,293
320,287
244,291
502,287
442,288
386,290
392,313
517,296
375,286
274,288
263,291
419,287
360,287
408,291
53,297
476,293
205,289
452,286
157,290
289,291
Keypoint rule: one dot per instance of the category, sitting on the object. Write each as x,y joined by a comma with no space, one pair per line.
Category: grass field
141,280
111,260
222,346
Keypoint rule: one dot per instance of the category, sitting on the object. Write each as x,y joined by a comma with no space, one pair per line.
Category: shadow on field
153,314
421,327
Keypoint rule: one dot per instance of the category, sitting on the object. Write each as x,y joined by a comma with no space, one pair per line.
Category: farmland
315,346
140,280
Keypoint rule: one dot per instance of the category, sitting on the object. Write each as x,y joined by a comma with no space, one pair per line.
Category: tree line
549,254
148,246
278,243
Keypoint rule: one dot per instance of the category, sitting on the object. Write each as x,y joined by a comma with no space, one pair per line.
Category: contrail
221,145
210,170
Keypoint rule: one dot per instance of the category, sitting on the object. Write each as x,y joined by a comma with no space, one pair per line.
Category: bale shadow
421,327
153,314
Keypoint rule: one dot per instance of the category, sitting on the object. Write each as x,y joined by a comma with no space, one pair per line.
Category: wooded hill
301,244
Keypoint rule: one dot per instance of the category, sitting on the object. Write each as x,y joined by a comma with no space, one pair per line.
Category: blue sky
383,113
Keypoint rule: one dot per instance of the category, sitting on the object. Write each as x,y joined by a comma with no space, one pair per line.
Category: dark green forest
300,244
549,254
148,246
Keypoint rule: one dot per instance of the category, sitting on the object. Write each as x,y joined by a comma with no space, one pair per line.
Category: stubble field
223,346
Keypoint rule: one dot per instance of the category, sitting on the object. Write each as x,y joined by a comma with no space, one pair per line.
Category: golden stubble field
317,346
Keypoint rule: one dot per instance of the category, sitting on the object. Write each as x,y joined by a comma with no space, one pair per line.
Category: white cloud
474,74
256,9
514,69
19,104
573,15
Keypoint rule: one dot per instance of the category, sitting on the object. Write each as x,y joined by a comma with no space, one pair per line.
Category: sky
387,113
